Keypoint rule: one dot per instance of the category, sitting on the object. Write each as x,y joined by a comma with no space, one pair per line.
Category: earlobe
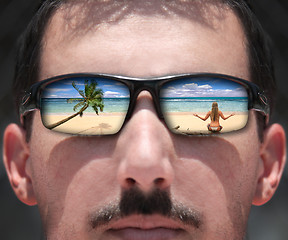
273,158
16,161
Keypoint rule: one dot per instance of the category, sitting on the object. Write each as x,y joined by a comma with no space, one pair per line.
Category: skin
71,178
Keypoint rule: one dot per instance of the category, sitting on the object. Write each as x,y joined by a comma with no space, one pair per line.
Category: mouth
152,227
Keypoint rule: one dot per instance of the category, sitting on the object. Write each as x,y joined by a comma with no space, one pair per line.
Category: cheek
218,175
65,169
42,142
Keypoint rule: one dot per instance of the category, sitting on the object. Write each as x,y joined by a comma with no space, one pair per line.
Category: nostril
159,182
130,182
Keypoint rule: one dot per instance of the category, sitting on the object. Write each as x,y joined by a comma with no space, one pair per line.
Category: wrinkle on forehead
82,16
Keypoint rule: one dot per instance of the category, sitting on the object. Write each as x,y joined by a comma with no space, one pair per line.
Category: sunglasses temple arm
28,104
261,104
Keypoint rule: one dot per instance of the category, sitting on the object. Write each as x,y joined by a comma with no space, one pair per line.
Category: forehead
112,35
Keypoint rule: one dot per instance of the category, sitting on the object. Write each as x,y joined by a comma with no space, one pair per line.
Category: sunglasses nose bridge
152,88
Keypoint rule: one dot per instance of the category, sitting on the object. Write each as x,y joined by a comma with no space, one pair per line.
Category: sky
64,89
204,88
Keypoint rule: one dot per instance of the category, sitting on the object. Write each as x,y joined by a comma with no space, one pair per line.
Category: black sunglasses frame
256,98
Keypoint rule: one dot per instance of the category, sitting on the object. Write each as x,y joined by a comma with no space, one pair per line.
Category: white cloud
195,90
204,87
191,86
111,94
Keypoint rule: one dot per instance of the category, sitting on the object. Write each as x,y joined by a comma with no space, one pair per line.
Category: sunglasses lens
85,106
183,101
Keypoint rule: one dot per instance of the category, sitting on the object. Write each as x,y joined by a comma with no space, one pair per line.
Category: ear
17,163
273,157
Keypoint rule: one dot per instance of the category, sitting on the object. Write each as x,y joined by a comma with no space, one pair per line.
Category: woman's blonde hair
214,112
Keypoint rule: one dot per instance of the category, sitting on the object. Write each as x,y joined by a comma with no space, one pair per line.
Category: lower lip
146,234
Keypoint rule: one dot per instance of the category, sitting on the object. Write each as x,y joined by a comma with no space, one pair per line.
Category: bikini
214,128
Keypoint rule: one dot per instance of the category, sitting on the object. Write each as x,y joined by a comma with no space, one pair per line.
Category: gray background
17,221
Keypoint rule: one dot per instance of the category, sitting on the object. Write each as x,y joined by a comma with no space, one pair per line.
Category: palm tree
92,96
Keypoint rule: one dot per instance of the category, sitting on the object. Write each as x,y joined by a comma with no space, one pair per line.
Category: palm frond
95,101
78,105
78,90
90,88
95,109
97,105
97,93
92,95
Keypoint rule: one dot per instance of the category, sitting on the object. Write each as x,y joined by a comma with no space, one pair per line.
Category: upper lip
146,222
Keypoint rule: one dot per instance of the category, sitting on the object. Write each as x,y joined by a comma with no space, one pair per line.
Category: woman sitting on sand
214,114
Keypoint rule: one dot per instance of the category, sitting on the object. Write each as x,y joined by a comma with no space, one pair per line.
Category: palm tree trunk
67,119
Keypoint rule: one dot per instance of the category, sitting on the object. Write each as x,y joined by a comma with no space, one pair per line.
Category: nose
145,149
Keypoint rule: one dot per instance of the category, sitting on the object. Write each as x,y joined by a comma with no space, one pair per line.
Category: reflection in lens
86,106
187,105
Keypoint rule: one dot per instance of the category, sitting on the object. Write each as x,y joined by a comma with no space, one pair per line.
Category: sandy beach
109,123
186,123
89,123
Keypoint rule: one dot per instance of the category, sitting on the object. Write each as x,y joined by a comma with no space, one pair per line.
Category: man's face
79,181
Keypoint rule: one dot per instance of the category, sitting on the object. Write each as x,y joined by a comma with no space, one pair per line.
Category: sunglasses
100,104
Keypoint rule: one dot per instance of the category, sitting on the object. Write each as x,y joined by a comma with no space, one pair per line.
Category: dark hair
260,57
259,53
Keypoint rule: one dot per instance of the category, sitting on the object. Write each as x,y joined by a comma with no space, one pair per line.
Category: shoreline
109,123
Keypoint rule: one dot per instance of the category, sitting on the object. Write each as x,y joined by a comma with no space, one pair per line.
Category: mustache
135,201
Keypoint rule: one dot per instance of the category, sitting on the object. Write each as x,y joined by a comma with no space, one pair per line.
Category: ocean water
204,104
194,105
61,106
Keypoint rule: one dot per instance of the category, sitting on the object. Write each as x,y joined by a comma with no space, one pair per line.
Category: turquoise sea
199,105
204,104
